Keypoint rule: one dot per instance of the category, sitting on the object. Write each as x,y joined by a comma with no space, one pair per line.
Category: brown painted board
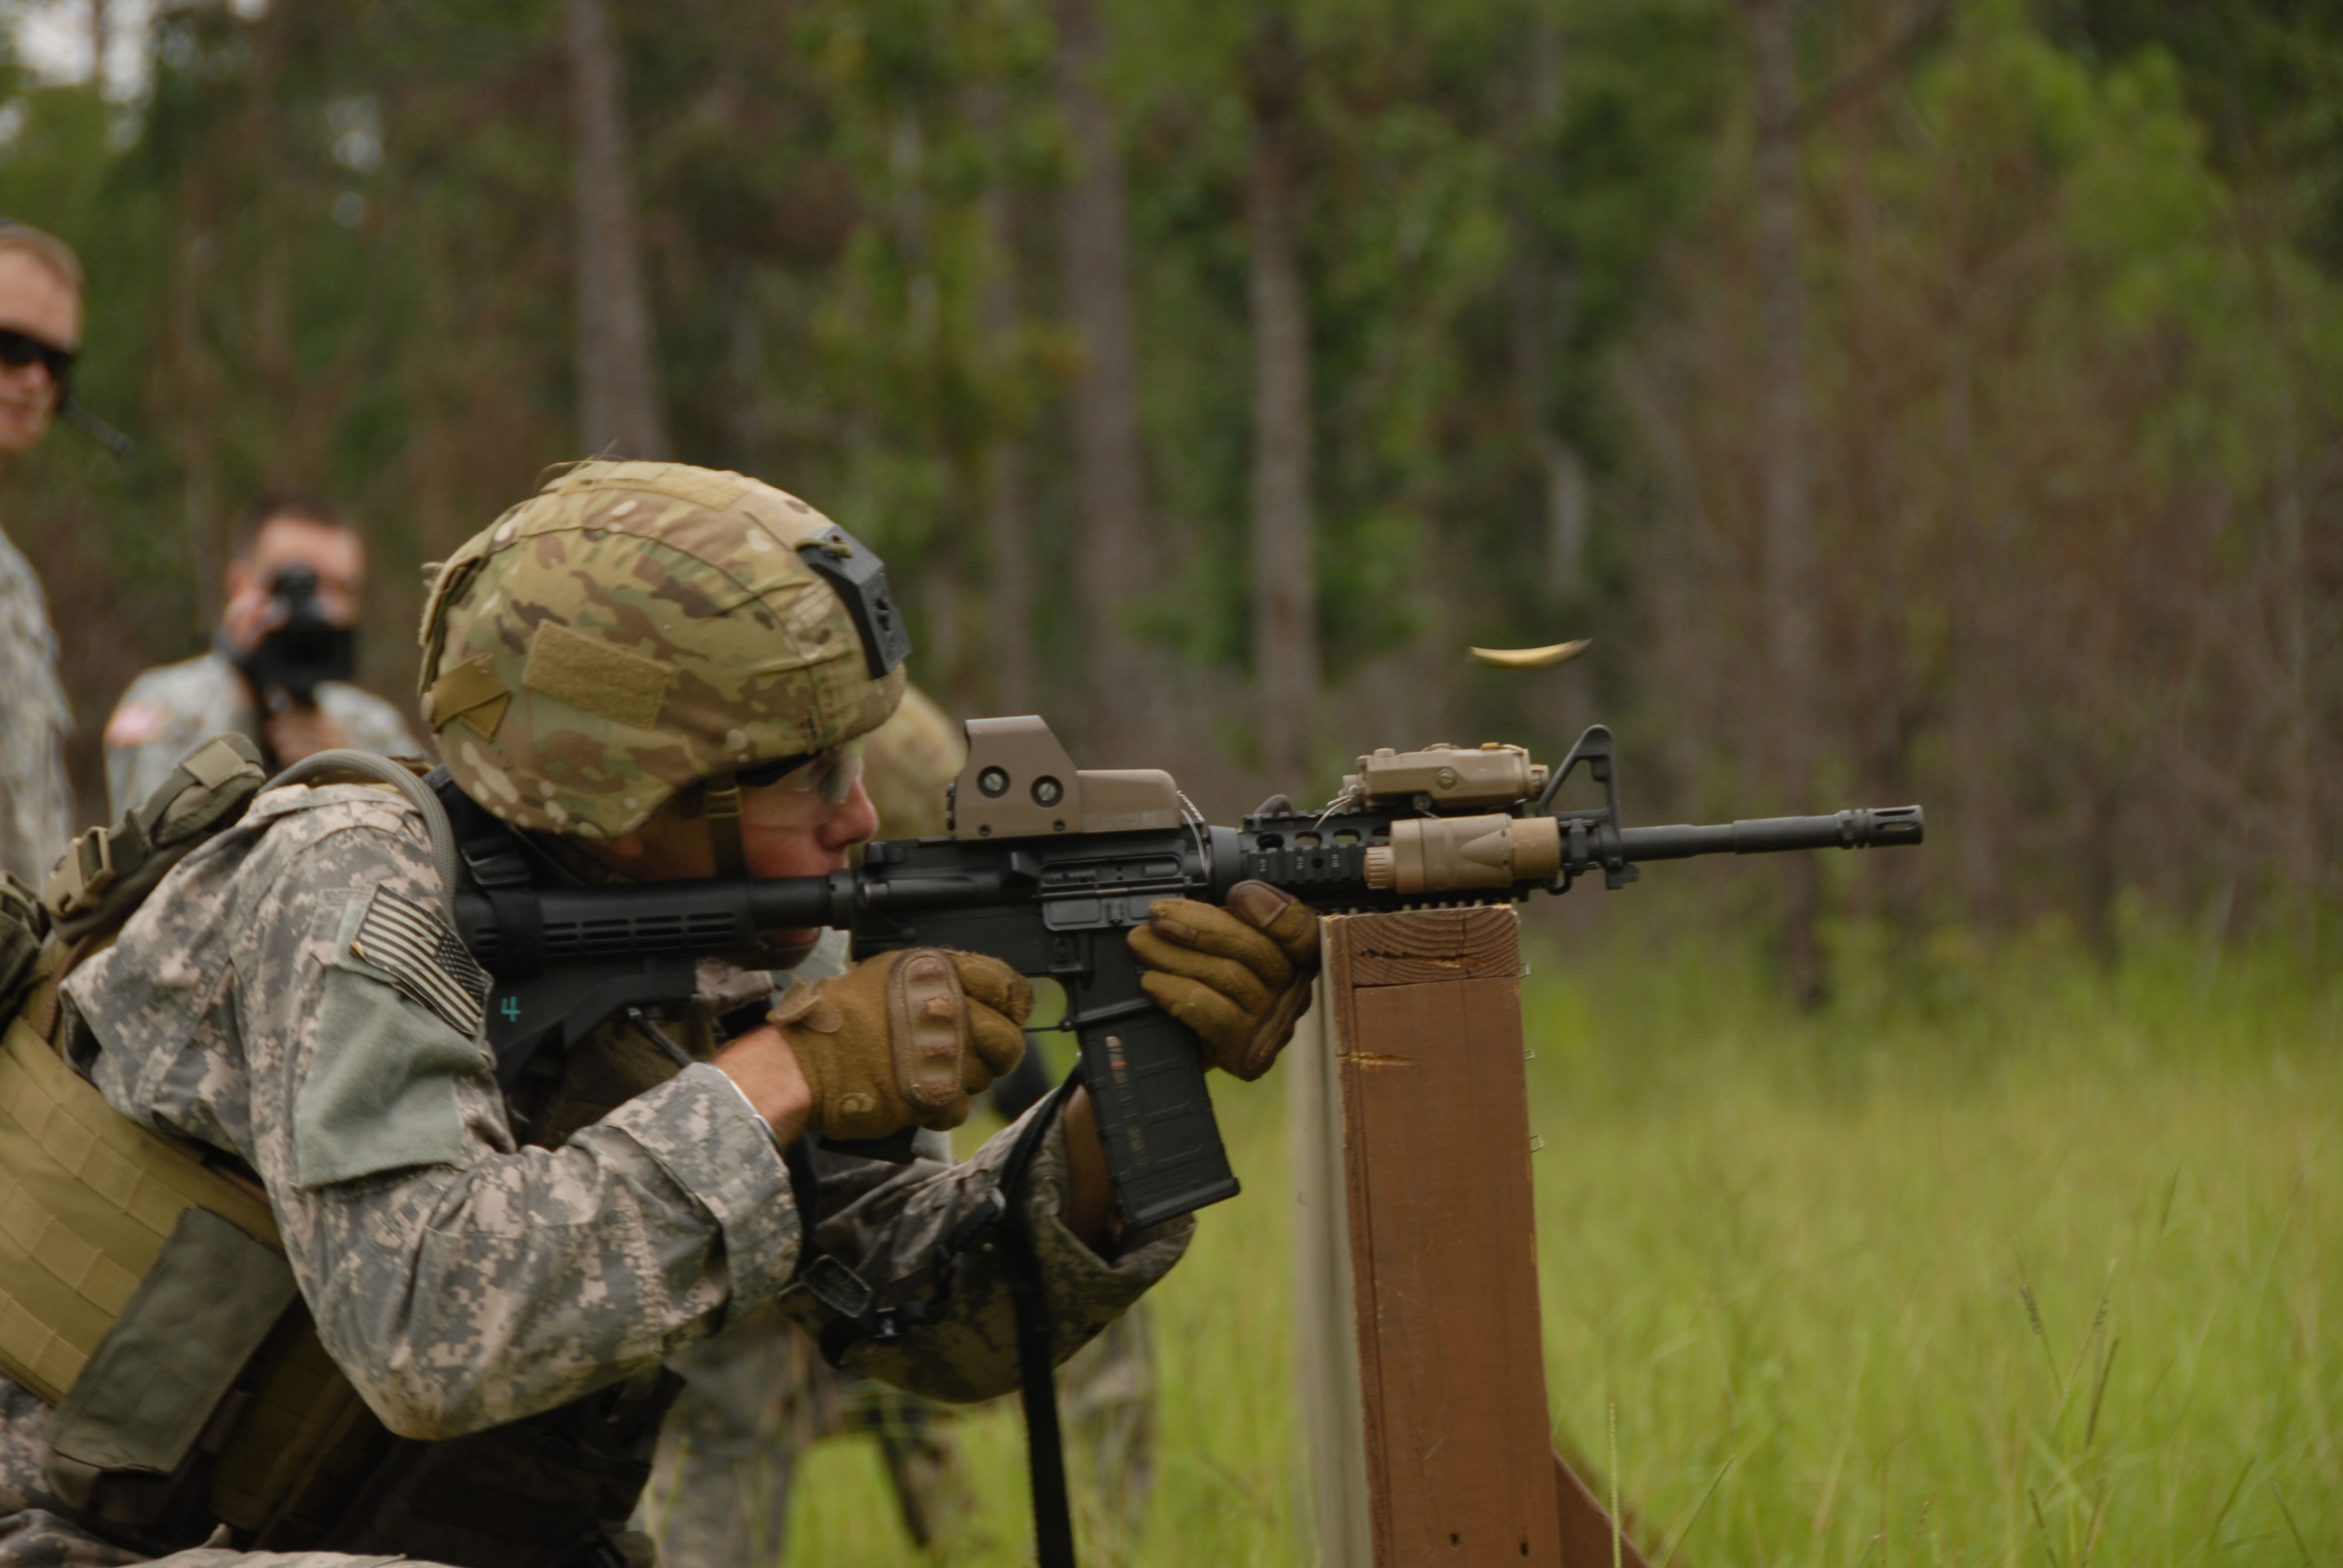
1325,1343
1426,1022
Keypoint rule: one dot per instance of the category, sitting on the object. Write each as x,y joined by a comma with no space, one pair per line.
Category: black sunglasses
18,350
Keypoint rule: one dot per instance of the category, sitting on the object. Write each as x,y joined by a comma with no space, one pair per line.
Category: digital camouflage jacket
35,801
460,1275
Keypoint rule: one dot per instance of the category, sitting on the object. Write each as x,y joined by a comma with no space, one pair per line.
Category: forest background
1913,400
1927,400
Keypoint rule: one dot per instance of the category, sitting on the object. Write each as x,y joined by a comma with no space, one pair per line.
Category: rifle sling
1045,1453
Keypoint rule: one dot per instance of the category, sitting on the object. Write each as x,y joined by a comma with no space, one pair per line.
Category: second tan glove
1238,976
903,1040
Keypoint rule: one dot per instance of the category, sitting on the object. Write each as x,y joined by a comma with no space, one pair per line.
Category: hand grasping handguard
903,1040
1238,975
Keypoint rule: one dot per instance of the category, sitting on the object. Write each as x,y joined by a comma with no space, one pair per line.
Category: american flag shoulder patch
428,962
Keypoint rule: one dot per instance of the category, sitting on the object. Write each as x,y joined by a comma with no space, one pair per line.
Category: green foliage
2035,1277
332,248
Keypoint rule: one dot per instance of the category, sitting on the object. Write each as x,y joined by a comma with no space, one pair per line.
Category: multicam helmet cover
632,630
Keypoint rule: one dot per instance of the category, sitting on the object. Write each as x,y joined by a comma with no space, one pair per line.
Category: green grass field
2008,1263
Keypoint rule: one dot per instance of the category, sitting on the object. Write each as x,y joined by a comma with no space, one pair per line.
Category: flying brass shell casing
1442,854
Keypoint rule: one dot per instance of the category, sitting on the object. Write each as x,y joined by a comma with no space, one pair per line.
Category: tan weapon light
1436,854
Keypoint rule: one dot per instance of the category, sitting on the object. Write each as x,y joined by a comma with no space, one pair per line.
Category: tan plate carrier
90,1199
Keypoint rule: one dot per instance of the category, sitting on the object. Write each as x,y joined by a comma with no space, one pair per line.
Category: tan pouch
87,1198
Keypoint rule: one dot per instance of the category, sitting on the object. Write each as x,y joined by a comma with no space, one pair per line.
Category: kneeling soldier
403,1310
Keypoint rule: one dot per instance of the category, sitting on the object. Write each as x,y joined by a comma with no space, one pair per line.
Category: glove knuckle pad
928,1019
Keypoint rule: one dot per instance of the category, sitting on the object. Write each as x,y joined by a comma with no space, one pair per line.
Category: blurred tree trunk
1284,581
1008,518
99,31
618,368
195,387
1786,416
1543,287
431,459
1113,553
291,410
2298,848
744,363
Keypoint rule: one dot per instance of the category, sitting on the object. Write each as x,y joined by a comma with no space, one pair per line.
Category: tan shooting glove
1239,975
903,1040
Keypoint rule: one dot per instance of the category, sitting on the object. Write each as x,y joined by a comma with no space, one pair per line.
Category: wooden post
1422,1017
1326,1349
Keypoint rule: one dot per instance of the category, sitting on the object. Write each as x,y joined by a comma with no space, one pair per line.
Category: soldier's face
793,832
784,833
37,302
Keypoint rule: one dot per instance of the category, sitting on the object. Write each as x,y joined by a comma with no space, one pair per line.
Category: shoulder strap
326,765
106,872
491,847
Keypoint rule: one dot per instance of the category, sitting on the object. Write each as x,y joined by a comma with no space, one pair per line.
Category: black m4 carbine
1047,867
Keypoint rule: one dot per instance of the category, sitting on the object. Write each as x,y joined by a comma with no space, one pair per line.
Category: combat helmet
635,629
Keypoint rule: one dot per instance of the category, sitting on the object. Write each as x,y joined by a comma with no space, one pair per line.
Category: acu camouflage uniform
462,1275
478,1265
171,710
36,799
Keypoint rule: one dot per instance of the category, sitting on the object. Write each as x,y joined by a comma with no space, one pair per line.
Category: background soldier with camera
280,665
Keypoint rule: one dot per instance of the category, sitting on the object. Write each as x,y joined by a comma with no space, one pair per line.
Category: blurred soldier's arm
35,801
40,318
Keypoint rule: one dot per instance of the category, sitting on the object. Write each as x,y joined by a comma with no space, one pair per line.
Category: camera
303,650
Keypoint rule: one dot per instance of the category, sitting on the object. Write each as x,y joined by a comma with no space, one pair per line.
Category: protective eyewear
832,772
18,350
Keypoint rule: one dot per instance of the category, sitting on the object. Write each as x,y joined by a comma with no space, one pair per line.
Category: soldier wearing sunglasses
40,330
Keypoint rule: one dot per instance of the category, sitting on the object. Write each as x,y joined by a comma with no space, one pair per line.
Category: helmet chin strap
723,793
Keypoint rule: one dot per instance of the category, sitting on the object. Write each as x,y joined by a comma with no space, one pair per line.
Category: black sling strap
1045,1453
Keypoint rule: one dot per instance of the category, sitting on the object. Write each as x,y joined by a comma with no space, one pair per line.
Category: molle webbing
88,1197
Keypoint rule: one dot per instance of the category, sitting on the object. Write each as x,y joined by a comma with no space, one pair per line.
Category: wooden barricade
1422,1373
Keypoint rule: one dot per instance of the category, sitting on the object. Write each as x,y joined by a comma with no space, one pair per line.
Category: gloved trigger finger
1212,1016
995,984
1184,921
996,1041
